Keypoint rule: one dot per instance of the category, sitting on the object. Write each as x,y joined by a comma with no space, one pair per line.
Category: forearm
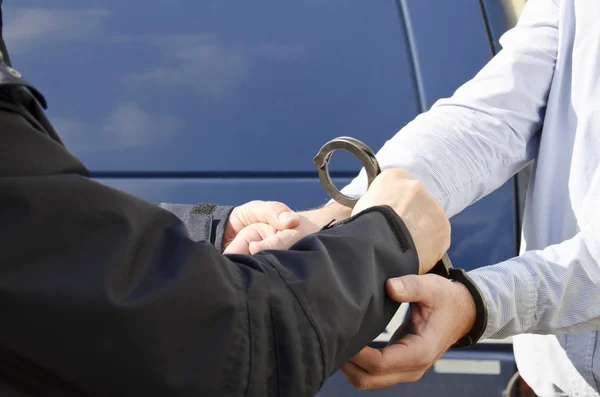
92,272
555,290
119,269
341,276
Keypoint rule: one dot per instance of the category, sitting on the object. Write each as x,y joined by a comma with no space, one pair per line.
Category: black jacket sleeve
104,294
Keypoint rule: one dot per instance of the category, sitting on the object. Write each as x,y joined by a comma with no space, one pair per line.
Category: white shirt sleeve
468,145
549,291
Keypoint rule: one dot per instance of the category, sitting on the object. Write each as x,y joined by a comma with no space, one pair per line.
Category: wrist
474,306
466,303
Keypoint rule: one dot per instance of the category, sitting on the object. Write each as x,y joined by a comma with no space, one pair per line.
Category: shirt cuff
204,221
220,215
509,291
493,317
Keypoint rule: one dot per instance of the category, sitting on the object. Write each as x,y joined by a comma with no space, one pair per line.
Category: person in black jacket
105,294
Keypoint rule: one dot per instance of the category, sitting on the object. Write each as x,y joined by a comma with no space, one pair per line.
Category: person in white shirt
537,100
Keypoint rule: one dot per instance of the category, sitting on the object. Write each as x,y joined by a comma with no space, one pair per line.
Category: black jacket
105,294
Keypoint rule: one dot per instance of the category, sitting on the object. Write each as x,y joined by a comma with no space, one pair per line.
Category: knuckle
404,173
236,210
412,286
394,175
278,204
265,231
351,377
419,186
387,173
398,173
415,186
258,247
416,376
433,355
272,204
279,240
268,243
379,368
251,233
426,359
360,383
253,203
422,362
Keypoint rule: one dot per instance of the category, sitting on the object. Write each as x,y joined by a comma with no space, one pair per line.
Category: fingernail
398,287
286,217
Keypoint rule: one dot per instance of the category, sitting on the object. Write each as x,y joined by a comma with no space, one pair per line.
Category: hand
264,218
441,313
310,222
422,214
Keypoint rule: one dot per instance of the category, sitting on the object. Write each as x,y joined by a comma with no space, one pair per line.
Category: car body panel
214,86
449,45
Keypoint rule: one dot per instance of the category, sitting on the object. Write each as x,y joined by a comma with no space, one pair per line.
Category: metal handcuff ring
357,148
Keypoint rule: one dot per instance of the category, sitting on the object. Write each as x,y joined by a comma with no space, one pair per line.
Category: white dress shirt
547,74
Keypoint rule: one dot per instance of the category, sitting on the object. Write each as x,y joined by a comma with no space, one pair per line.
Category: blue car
138,89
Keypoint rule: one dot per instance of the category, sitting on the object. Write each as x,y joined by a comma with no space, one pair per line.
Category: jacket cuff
458,275
398,227
220,215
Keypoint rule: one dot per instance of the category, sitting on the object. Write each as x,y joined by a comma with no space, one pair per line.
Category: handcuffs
443,268
372,168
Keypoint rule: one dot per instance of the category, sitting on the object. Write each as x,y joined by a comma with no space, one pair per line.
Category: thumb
279,241
411,288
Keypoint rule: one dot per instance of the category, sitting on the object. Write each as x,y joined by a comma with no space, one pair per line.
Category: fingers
361,380
279,241
437,319
248,235
405,361
274,213
411,353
